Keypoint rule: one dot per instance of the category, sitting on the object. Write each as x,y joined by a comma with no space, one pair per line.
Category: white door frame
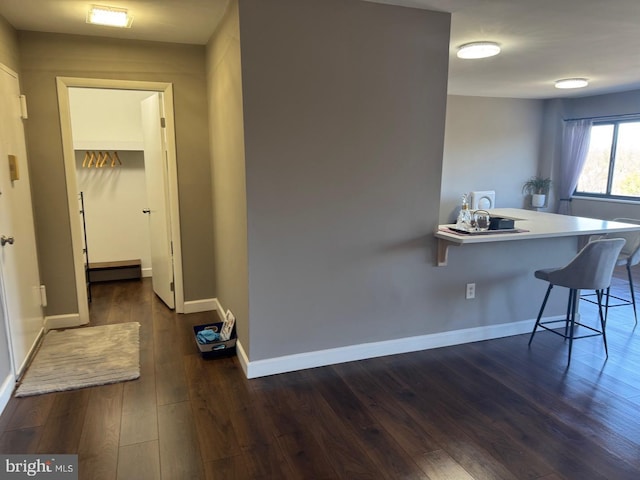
63,85
4,310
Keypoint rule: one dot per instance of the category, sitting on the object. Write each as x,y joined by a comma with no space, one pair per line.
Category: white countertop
538,225
534,225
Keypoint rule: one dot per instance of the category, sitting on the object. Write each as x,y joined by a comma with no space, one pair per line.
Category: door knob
4,240
146,210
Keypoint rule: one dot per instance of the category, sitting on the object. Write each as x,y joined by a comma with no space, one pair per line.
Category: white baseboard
205,305
147,272
332,356
6,390
53,322
32,351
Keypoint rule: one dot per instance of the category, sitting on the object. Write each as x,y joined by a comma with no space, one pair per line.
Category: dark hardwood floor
487,410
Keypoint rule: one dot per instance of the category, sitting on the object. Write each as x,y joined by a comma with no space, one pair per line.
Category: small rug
83,357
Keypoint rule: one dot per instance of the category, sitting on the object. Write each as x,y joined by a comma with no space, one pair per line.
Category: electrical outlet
471,291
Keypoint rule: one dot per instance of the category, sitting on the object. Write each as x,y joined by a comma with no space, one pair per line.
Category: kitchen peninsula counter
529,225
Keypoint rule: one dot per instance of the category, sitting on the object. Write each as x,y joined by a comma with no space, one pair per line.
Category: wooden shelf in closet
109,145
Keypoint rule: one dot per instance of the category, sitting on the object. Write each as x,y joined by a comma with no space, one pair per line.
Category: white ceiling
179,21
542,40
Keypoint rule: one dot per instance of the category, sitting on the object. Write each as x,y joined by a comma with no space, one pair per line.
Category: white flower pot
538,199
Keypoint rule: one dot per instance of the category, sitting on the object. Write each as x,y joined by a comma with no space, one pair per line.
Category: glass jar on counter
481,219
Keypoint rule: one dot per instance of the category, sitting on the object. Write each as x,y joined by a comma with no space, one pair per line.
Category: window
612,168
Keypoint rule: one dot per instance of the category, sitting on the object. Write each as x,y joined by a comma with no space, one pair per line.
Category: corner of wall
226,123
9,51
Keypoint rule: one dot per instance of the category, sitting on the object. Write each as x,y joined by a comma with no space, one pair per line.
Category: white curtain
575,146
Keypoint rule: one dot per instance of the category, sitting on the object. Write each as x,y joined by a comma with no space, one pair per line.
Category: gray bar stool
590,269
629,257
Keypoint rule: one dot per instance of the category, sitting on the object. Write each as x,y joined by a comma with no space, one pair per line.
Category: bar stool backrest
592,267
631,250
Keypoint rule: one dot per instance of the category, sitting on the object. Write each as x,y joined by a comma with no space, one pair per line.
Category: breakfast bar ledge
529,224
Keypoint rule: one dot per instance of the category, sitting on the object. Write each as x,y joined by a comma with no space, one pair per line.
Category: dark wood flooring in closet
487,410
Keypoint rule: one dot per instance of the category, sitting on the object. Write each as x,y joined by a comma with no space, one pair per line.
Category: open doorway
149,163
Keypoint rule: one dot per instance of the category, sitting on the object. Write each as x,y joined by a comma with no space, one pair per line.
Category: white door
18,256
156,173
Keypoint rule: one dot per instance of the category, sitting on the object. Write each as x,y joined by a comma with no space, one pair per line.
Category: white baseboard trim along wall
205,305
301,361
32,351
62,321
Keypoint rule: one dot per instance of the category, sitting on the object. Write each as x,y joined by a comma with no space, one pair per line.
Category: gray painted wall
344,139
343,143
9,58
496,144
9,46
224,85
489,144
602,105
607,210
45,56
551,146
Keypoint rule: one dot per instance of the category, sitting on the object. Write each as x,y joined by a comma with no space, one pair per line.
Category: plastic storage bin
215,349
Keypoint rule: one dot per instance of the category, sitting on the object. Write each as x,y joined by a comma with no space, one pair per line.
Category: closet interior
110,171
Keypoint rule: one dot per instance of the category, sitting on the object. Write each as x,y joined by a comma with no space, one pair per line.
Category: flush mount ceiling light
572,83
478,50
110,16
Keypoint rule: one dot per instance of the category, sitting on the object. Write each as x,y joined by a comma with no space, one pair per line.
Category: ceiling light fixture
572,83
478,50
110,16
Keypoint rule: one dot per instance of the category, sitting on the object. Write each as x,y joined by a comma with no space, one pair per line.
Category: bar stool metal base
623,301
570,321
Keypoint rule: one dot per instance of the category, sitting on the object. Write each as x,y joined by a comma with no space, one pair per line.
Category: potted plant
538,187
